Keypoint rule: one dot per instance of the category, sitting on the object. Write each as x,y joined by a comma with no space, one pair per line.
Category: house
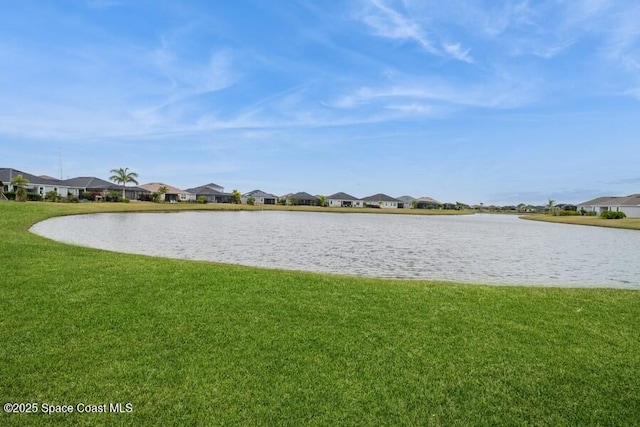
99,188
259,197
630,205
212,192
172,194
37,185
382,201
343,200
301,199
407,201
428,203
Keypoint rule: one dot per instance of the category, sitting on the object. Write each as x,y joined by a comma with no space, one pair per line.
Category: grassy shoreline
201,343
626,223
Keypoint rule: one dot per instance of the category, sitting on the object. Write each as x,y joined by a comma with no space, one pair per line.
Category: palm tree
162,191
550,204
123,176
20,184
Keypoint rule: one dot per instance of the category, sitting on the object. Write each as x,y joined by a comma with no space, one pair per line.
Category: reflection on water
496,249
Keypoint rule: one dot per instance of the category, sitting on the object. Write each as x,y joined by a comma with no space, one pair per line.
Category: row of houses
213,193
99,188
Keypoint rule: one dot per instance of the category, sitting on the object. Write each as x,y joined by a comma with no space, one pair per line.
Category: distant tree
550,204
322,200
20,184
414,204
237,197
123,176
251,201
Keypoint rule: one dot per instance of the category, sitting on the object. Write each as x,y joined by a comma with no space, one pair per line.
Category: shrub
569,213
613,215
251,200
32,197
202,200
52,196
113,196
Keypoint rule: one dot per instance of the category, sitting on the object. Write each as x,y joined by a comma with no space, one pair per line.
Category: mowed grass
193,343
627,223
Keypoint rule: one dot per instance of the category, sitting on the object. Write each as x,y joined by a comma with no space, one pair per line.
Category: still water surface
493,249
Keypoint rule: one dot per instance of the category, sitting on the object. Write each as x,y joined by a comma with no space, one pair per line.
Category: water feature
494,249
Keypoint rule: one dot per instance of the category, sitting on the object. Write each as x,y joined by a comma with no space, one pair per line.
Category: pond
481,248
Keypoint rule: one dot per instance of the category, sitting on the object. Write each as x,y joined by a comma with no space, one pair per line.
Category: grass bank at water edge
626,223
193,343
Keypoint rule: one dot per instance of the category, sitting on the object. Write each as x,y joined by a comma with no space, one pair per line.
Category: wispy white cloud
457,52
498,94
395,24
390,23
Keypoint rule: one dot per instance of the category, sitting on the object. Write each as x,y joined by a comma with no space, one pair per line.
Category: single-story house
382,201
630,205
407,201
212,192
99,188
37,185
172,194
260,198
301,199
343,200
428,203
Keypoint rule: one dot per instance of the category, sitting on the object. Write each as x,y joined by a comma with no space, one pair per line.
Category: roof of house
303,196
428,200
341,196
406,199
380,198
211,189
50,178
631,200
260,193
7,174
155,186
89,182
214,186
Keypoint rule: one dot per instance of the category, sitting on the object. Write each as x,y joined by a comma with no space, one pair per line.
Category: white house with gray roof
37,184
407,201
343,200
382,201
260,198
630,205
213,193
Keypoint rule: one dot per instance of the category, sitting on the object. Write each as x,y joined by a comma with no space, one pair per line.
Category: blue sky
472,101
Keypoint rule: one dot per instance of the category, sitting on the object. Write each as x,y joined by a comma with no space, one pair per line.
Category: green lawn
627,223
194,343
